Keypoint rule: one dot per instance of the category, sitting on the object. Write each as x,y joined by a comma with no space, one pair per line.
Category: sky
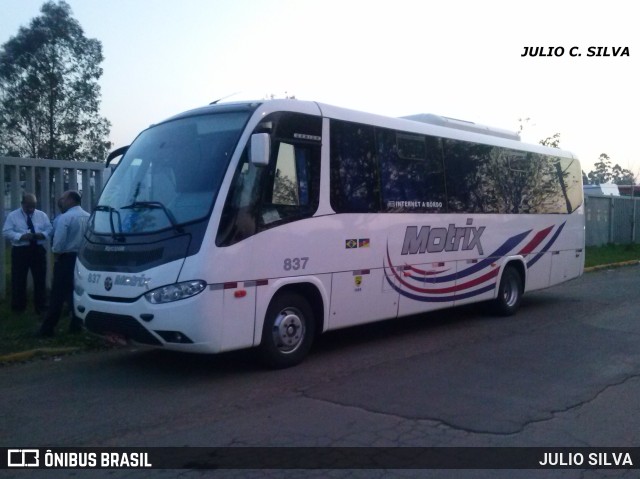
461,59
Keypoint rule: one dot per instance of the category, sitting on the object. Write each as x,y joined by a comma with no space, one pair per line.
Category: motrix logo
124,280
23,458
436,240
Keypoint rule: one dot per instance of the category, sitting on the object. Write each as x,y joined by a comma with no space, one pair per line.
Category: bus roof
444,127
421,123
463,125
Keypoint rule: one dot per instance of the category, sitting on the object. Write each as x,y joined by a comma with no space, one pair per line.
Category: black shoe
75,325
43,333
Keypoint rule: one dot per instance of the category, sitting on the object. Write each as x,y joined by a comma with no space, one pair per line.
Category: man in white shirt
67,239
28,228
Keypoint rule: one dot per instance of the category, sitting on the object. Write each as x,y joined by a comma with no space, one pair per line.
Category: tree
605,173
585,178
49,92
622,176
552,141
602,172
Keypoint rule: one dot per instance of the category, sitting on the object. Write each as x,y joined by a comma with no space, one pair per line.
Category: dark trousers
61,292
23,260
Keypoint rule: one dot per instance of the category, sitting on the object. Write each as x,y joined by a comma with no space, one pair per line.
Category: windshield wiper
155,205
110,210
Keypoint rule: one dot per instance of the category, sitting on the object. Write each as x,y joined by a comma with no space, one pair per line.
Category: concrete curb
33,353
633,262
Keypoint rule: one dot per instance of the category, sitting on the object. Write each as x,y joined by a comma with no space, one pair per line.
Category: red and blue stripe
411,283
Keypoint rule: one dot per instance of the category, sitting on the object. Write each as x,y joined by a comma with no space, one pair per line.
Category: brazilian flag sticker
351,243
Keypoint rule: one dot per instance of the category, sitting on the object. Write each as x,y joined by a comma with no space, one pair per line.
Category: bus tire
509,292
288,332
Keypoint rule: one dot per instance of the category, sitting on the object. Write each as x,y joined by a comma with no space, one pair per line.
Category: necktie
34,241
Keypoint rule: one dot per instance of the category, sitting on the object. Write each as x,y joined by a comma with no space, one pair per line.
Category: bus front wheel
288,331
509,292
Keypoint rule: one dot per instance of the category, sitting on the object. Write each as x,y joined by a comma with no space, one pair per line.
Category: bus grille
96,259
127,326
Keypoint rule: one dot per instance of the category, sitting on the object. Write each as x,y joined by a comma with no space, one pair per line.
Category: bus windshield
170,175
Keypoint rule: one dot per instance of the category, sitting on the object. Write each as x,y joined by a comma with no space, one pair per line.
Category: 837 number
295,264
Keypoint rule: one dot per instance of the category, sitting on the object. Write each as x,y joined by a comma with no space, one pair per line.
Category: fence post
73,179
14,173
45,178
86,190
3,273
45,192
611,219
30,179
633,220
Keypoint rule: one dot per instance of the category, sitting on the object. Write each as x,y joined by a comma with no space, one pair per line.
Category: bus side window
354,173
285,185
571,175
294,191
288,189
470,188
411,172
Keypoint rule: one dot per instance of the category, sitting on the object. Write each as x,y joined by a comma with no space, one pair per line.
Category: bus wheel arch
293,319
510,288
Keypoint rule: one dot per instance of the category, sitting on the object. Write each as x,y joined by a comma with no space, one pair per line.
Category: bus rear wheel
288,331
509,292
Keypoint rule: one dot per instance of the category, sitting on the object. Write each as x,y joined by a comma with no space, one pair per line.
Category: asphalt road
565,371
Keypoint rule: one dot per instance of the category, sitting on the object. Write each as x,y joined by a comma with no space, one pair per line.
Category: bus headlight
77,281
175,292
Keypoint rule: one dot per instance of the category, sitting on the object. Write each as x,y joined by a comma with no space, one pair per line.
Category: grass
17,331
18,339
612,253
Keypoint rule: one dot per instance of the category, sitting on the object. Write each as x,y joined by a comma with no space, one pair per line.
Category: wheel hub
288,330
510,293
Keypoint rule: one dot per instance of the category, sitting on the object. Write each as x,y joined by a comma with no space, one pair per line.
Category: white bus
265,224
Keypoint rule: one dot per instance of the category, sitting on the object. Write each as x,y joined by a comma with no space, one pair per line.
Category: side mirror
116,153
260,149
